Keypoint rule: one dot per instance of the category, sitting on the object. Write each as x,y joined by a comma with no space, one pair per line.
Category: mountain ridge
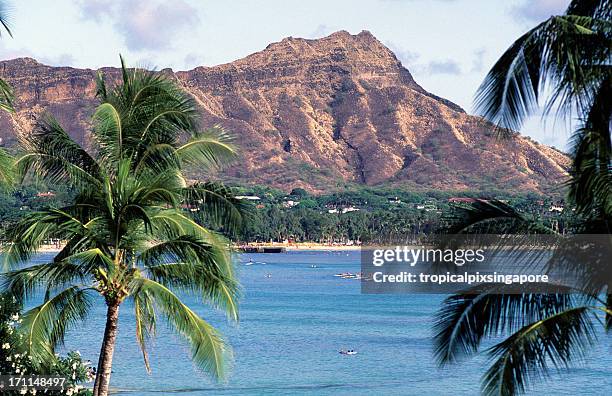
319,114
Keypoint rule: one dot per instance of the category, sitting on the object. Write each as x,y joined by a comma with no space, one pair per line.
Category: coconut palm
569,57
127,234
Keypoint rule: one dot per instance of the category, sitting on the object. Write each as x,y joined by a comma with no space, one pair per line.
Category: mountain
319,114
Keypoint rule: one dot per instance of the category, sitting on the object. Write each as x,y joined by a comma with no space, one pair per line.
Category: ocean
294,318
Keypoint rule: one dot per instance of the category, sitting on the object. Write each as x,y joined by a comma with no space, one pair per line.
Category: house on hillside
556,208
248,197
290,203
47,194
343,209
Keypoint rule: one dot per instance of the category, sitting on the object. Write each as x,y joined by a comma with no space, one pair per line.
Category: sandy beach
319,247
303,246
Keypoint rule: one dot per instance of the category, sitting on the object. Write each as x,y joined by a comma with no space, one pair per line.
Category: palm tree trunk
105,361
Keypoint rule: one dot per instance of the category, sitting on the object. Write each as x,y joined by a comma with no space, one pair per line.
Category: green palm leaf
6,95
208,150
190,264
220,205
7,167
46,325
527,354
52,155
25,283
144,314
209,350
466,319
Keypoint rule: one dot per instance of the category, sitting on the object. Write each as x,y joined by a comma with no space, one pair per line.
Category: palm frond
30,233
51,154
563,52
25,283
6,95
172,223
101,89
7,169
209,350
591,184
510,90
489,217
158,158
601,9
183,249
154,110
144,314
208,150
4,18
108,133
608,323
528,354
192,265
221,291
219,204
45,326
466,319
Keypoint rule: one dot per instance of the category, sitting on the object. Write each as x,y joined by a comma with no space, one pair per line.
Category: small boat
349,352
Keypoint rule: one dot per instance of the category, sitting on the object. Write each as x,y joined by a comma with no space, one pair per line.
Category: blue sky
448,45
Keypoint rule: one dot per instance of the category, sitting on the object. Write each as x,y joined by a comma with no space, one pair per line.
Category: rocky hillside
318,114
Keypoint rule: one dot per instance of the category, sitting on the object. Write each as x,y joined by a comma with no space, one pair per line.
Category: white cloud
447,66
63,59
478,62
144,25
412,61
193,60
539,10
321,31
408,58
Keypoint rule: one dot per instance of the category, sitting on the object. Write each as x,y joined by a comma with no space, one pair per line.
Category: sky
448,45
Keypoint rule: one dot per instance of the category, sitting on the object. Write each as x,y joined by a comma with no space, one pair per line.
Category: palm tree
6,104
127,236
569,56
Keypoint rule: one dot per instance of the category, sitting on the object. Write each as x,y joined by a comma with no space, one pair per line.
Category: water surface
292,325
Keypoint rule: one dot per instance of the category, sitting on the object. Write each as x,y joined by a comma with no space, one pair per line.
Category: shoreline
321,247
289,247
300,246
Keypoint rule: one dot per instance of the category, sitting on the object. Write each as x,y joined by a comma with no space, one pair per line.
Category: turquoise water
292,326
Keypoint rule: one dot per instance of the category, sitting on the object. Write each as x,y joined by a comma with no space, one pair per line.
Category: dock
260,249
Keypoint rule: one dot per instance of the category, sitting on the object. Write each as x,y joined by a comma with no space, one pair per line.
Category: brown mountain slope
317,114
